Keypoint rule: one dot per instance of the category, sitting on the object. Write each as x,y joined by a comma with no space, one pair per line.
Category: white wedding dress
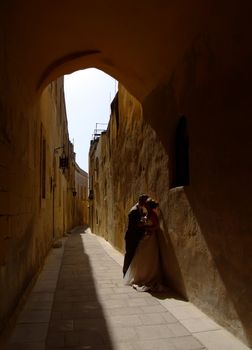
144,272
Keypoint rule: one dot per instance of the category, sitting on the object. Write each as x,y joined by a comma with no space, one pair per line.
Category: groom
134,231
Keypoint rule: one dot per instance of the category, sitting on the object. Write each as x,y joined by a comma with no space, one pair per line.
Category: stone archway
50,39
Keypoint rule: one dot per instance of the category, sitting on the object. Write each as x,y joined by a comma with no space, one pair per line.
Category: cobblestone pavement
79,302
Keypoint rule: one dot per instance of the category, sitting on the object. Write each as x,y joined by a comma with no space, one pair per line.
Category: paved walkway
79,302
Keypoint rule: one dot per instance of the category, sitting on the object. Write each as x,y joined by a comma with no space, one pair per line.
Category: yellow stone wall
37,206
128,160
81,197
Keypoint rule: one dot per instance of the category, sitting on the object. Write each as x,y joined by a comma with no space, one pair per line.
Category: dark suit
133,235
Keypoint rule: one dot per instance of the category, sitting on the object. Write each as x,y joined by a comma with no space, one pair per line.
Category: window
181,166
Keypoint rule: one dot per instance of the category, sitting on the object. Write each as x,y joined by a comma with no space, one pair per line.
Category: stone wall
36,205
127,160
81,196
210,86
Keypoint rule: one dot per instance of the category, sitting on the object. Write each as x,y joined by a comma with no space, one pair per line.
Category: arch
66,64
48,40
89,59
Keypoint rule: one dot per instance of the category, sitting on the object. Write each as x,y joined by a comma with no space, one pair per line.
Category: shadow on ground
77,319
79,229
170,294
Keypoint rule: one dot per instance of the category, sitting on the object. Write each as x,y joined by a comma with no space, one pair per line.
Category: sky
88,94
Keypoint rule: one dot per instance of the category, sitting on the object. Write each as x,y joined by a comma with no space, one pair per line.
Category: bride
145,270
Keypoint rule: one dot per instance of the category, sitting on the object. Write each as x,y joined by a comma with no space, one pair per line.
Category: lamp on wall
63,159
91,195
73,189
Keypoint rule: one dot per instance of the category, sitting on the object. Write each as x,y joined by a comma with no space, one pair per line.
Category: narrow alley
178,129
79,302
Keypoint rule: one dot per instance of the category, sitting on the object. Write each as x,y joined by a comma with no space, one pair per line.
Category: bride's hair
151,203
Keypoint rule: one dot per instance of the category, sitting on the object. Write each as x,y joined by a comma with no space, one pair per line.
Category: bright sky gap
88,95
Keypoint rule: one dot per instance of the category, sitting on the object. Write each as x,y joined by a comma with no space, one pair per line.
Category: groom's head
142,200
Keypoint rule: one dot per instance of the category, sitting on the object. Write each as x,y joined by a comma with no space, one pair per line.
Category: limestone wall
36,204
81,197
209,85
129,160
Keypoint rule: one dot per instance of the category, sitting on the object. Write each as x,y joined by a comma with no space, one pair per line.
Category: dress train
145,271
